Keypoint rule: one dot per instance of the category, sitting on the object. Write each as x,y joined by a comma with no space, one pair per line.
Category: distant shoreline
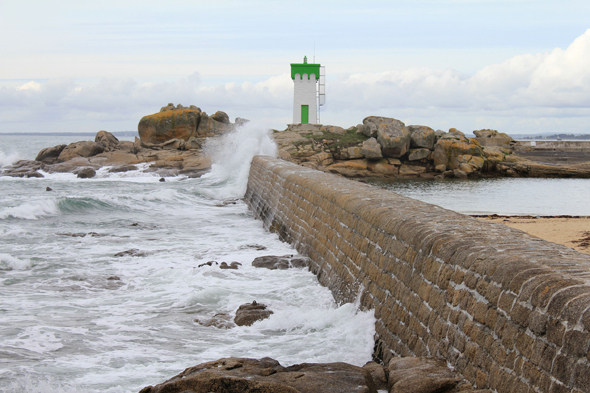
92,134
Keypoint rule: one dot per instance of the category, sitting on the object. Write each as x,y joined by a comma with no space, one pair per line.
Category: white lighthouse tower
310,91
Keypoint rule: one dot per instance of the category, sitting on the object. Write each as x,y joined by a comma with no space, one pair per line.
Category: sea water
508,196
74,317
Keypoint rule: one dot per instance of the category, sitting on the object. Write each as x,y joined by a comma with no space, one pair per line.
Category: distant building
309,91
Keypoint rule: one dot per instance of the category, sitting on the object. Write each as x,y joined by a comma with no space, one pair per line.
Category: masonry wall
509,311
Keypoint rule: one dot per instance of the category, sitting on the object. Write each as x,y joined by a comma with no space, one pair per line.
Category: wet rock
134,252
249,313
85,173
266,375
210,263
162,180
219,320
48,189
113,278
273,262
233,265
228,202
49,154
23,168
123,168
256,247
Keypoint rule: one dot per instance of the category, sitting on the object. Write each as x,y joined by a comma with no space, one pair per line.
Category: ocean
74,317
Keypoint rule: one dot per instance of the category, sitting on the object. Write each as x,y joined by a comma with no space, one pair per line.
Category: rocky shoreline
386,147
171,142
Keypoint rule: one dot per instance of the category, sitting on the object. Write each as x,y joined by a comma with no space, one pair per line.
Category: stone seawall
508,311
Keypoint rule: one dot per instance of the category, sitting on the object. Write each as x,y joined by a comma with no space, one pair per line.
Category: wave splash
232,154
30,211
8,159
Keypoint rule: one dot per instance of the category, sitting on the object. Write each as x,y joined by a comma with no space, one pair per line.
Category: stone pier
508,311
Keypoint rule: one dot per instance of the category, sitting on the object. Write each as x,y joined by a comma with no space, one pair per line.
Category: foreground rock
243,375
249,313
402,375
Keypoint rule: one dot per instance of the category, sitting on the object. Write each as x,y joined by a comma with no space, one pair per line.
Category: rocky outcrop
171,124
409,151
266,375
402,375
182,123
169,158
249,313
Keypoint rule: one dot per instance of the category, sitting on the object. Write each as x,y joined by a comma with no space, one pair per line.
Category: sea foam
30,210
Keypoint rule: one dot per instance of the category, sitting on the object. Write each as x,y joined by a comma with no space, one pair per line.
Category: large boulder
266,375
392,135
49,154
169,124
80,149
452,145
422,136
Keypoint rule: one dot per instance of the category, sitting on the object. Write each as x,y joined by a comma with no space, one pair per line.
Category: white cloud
525,94
32,85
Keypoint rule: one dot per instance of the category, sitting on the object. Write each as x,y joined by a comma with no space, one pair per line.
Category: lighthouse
309,91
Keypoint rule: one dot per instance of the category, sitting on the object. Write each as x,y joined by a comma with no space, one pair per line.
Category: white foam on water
8,262
31,210
42,384
232,154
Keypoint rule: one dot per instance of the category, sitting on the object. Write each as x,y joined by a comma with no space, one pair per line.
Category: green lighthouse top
305,68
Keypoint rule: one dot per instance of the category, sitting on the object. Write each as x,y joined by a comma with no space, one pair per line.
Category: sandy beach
573,232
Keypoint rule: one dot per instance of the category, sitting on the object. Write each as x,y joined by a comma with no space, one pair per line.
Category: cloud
527,93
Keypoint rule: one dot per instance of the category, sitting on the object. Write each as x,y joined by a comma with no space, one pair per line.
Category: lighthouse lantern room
309,92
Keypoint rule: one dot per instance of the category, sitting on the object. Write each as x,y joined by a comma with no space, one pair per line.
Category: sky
519,66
